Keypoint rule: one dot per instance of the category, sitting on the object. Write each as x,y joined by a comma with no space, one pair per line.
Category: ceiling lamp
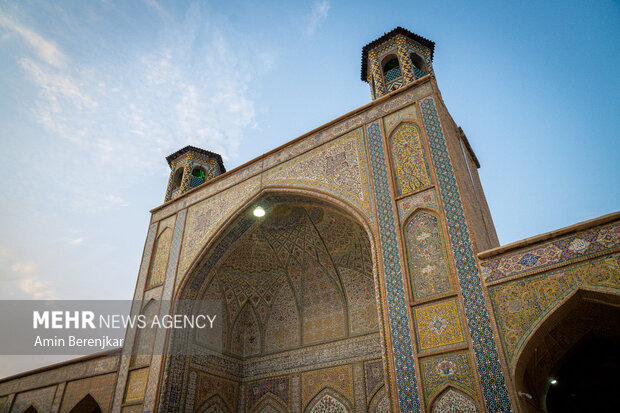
259,212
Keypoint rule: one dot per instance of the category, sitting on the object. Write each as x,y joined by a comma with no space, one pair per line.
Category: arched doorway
300,311
87,405
570,362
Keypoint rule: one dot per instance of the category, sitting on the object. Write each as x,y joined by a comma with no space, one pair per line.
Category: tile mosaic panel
277,387
429,271
209,385
438,325
454,401
520,305
338,167
397,307
408,159
426,199
453,368
409,113
373,371
338,378
136,384
494,388
588,243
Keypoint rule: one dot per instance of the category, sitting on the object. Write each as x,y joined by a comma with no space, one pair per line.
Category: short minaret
395,59
191,167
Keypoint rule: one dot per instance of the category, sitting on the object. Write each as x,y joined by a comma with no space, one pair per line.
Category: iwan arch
374,282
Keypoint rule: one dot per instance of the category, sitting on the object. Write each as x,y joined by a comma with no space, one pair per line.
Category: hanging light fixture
259,211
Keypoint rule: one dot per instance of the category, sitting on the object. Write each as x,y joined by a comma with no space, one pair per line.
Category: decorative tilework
374,376
454,401
592,242
406,384
426,199
160,258
338,378
338,167
329,404
136,384
427,256
454,368
136,408
401,47
520,305
375,67
278,387
408,113
408,159
209,385
489,367
204,218
438,325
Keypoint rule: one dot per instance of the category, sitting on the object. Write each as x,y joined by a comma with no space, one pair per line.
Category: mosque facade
358,270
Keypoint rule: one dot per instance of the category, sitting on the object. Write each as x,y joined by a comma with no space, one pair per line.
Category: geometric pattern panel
277,387
494,389
521,304
453,368
397,307
217,389
374,376
438,325
428,260
593,242
338,167
454,401
329,404
408,113
426,198
408,159
338,378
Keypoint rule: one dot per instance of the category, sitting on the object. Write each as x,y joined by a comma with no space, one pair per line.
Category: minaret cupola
191,167
395,59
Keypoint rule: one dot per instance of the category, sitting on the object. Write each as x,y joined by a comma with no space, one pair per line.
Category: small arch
31,409
328,398
87,405
198,176
408,158
214,404
419,64
177,179
379,402
159,260
453,399
269,404
391,68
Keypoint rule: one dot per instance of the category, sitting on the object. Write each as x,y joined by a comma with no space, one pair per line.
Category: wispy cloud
76,241
113,122
37,289
45,49
320,9
19,277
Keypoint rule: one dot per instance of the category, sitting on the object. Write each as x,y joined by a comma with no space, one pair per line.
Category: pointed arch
451,399
269,404
427,254
408,158
31,409
145,337
328,400
88,404
214,404
245,338
159,263
379,402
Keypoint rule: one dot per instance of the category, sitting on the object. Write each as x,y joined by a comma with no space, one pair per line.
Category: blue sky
95,94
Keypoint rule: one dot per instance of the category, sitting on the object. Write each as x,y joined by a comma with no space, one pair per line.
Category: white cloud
76,241
320,9
112,123
45,49
24,267
36,289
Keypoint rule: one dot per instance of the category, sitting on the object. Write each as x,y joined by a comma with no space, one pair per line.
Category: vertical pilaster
404,60
375,69
495,392
397,308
